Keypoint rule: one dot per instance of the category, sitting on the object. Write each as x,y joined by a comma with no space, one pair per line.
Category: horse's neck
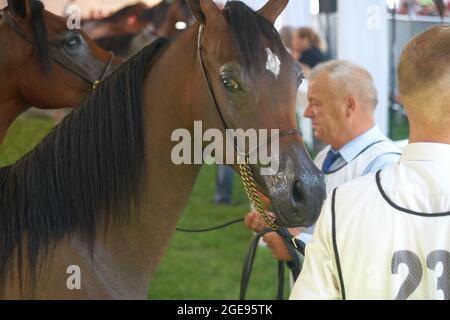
11,102
165,109
126,256
9,111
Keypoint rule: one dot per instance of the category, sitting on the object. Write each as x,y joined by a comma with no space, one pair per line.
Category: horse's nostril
298,196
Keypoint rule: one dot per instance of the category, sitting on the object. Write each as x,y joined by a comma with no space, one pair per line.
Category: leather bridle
292,243
19,31
282,133
248,177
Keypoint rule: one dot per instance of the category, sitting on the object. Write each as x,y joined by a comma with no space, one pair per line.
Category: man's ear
351,105
273,9
203,10
20,8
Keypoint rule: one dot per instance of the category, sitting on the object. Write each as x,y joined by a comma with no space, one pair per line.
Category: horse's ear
203,9
20,8
273,9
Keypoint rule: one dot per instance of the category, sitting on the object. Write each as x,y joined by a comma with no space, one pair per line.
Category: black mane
247,26
89,168
40,34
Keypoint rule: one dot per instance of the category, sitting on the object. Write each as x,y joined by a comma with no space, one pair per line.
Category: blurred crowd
425,7
305,45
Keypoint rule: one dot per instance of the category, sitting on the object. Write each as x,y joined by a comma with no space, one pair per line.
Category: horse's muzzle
297,190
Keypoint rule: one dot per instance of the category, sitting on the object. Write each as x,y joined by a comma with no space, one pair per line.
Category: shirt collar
426,152
357,145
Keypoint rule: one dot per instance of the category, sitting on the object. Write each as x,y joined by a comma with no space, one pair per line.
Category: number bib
386,252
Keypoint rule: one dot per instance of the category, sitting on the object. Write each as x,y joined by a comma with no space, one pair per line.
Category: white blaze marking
273,63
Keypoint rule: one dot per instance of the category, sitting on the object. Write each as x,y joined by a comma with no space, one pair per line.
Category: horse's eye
230,84
72,43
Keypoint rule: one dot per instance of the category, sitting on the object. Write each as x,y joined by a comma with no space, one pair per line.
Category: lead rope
254,198
252,194
246,172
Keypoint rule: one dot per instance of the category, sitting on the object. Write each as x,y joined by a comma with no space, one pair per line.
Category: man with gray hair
341,103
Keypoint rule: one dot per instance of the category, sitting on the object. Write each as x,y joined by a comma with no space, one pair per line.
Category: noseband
19,31
246,172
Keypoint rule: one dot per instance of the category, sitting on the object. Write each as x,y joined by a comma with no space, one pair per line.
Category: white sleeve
318,279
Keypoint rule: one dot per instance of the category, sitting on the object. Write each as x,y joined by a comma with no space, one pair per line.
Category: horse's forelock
248,30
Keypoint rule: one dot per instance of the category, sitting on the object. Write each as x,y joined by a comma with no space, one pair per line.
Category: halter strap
19,31
282,133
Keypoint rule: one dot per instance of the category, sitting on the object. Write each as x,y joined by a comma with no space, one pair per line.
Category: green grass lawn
22,136
208,266
196,266
398,126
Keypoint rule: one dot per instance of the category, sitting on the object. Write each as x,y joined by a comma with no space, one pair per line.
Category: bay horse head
253,83
45,63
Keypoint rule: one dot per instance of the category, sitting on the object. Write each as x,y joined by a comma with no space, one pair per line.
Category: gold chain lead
253,196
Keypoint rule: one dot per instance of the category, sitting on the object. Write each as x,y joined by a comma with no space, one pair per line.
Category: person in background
286,37
424,7
341,103
306,48
224,184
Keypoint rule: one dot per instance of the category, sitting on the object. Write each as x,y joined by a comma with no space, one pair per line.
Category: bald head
349,79
424,76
